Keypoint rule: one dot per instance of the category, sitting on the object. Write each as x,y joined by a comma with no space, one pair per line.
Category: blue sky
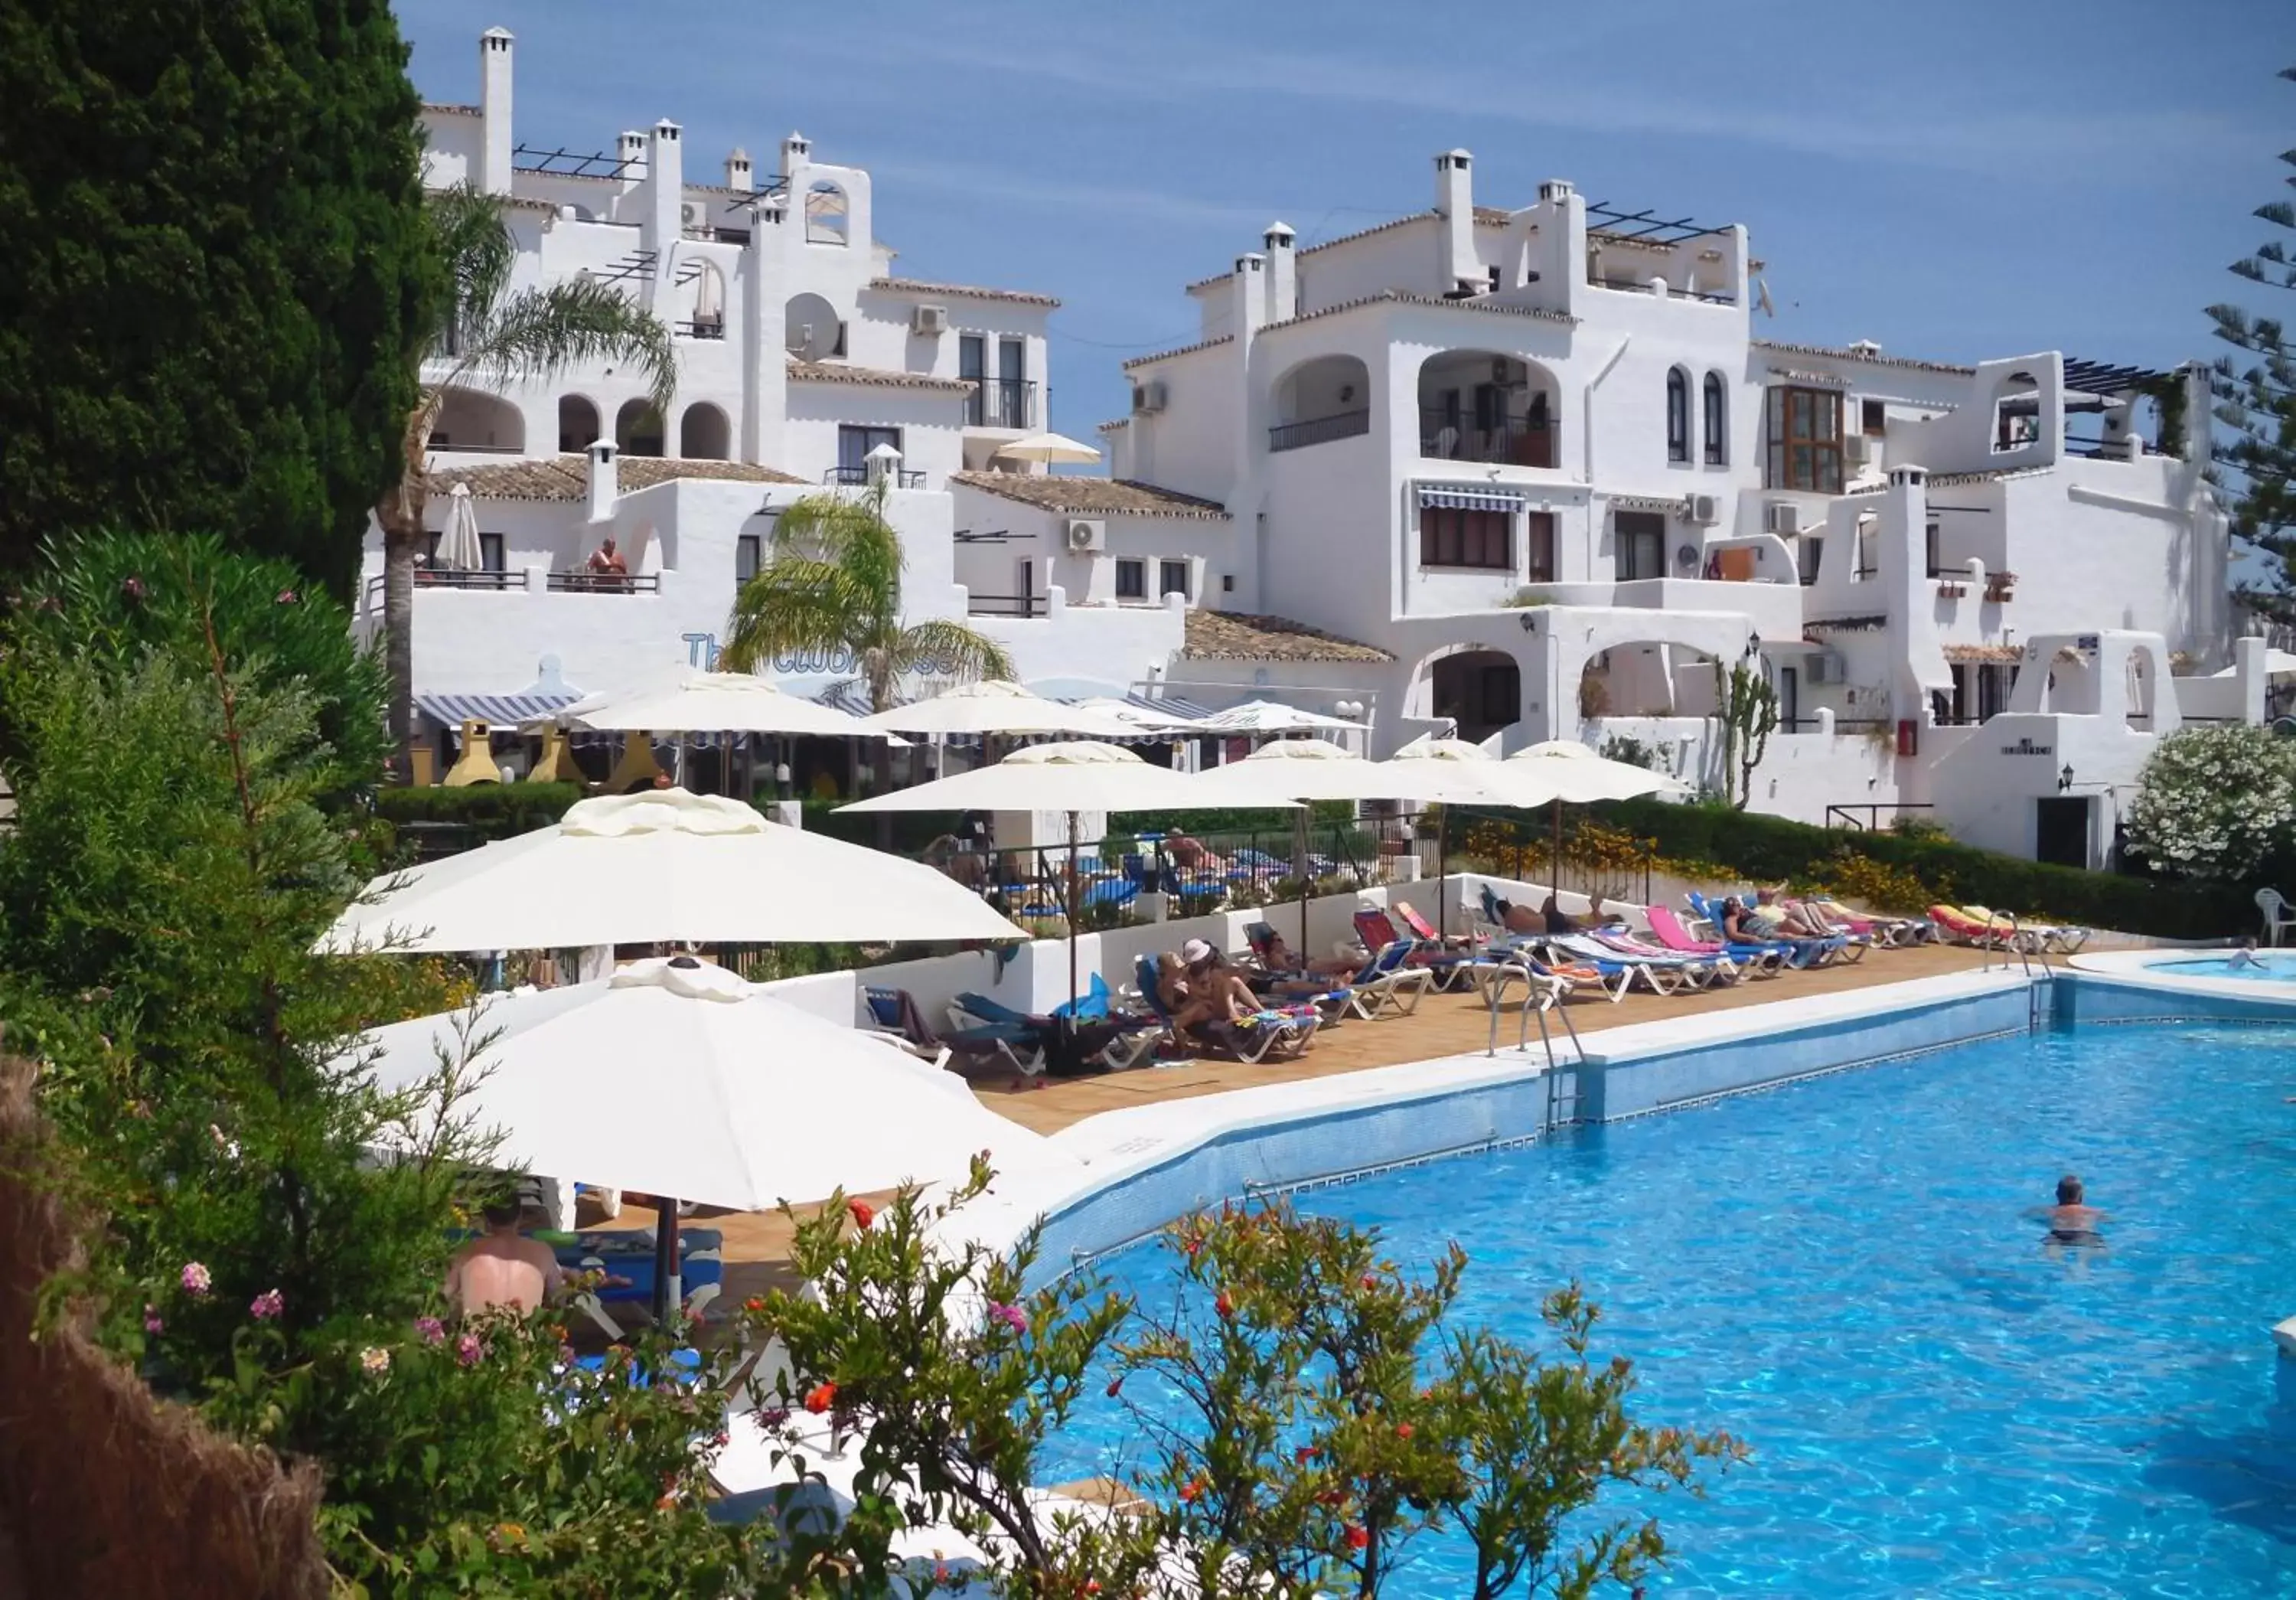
1956,180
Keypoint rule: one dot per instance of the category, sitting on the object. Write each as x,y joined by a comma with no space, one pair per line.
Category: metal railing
703,328
1007,605
1318,430
861,477
1001,403
605,583
1845,816
444,577
1507,441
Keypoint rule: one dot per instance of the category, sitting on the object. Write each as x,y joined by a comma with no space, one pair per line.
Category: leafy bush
2215,803
488,811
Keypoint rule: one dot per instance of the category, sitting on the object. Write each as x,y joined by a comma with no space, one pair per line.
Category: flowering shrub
1862,881
2215,803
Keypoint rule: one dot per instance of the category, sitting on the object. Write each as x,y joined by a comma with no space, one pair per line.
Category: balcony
1318,430
702,327
1001,403
1515,441
605,582
862,477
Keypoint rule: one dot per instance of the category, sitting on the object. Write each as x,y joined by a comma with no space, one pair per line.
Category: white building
802,356
1537,459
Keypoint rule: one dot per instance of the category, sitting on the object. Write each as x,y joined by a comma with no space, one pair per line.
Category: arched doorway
1479,690
1321,400
578,423
470,419
703,433
637,429
1484,407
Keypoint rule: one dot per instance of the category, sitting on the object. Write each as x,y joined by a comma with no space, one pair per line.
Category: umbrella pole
1306,877
669,1293
1443,875
1075,913
1555,865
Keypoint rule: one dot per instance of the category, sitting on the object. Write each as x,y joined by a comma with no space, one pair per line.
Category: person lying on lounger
1792,921
1282,962
1188,1007
1210,977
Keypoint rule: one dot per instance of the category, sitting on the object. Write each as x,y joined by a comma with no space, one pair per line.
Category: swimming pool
1840,1273
2276,968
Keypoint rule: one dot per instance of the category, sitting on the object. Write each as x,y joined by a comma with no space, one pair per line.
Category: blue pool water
2276,968
1840,1273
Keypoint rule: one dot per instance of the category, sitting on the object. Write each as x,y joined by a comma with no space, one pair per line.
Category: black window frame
1628,531
749,553
1132,578
869,435
1165,567
1677,416
494,552
1462,537
1539,540
1716,435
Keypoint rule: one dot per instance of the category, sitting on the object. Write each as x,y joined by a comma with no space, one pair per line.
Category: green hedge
1770,847
488,810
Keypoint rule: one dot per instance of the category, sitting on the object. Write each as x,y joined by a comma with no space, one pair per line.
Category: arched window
1678,415
703,433
825,217
1718,446
578,423
637,429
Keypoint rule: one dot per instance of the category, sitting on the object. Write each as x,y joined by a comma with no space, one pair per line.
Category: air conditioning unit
931,321
1705,510
1858,449
1086,535
1781,518
696,215
1825,668
1148,399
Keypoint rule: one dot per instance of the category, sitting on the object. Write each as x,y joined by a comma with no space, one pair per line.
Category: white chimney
797,150
665,212
630,151
1282,273
1455,203
605,481
1247,285
737,171
495,144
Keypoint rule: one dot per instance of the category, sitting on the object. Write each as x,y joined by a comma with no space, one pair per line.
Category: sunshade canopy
1562,769
998,707
692,702
1314,769
657,867
1268,717
684,1080
1081,775
1050,448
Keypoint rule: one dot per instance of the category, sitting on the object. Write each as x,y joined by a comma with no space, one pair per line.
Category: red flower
1192,1245
1115,1387
756,1302
1191,1489
1357,1537
1403,1429
1223,1305
1305,1453
821,1399
864,1213
1370,1282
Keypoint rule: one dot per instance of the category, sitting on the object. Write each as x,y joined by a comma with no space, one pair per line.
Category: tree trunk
403,538
881,699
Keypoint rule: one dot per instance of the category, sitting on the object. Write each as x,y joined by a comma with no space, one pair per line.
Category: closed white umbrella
1052,450
996,706
659,867
694,701
678,1078
1073,777
459,550
1269,717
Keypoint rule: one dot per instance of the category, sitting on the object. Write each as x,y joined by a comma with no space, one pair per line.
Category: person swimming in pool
2072,1221
2245,956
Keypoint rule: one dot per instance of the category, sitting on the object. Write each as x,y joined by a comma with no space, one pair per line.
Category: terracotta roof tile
1985,475
1112,426
961,291
1862,359
1236,637
1186,349
440,108
1092,496
838,372
2003,655
567,477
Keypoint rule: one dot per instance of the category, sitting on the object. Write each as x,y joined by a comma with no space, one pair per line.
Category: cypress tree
210,218
2256,402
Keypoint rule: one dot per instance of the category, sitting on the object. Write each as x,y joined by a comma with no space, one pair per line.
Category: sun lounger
1388,982
1295,986
1126,1039
1281,1035
1886,932
1800,951
1424,931
983,1048
2057,938
1756,960
1377,932
1660,977
1958,927
1704,968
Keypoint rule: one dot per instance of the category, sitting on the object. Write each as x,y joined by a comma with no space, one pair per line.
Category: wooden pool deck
756,1243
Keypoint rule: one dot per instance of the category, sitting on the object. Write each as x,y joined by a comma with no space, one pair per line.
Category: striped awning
1172,705
849,695
498,711
1461,497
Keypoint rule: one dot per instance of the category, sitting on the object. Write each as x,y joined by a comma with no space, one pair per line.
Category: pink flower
196,1280
468,1351
152,1322
432,1331
284,597
266,1305
1011,1316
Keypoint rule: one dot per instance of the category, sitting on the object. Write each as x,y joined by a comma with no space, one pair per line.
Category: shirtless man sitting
502,1266
2072,1221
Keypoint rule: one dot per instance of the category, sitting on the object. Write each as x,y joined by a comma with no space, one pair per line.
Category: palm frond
474,241
537,333
850,532
797,606
945,649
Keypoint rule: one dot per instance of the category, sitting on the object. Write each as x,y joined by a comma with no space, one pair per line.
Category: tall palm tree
491,335
833,589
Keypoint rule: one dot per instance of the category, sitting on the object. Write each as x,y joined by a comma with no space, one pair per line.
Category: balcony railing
441,577
1508,441
860,477
1001,403
1007,605
605,583
702,327
1318,430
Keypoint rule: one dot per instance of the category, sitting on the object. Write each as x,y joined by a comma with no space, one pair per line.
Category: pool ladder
2041,995
1542,995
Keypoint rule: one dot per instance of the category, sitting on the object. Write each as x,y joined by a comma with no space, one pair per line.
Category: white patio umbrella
1145,719
1558,770
657,867
1050,448
694,701
1071,776
678,1079
459,550
1270,716
996,706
